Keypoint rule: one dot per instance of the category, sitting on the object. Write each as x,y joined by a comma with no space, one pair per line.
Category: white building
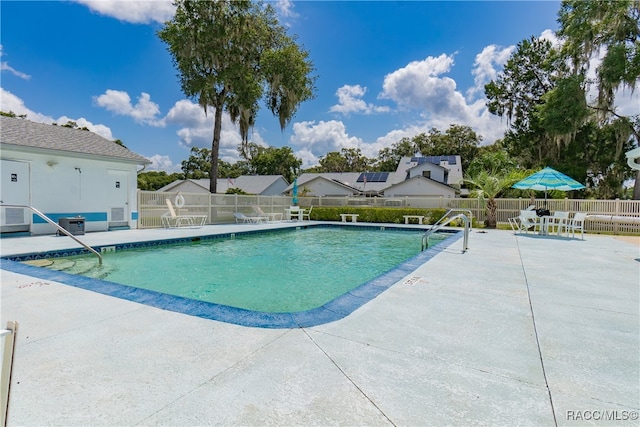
64,173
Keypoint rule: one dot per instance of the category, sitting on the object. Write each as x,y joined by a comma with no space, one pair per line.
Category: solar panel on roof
373,177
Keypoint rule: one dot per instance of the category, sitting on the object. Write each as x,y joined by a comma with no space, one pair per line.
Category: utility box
74,225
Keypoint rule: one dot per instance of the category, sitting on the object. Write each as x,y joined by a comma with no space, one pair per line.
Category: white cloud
419,86
4,66
485,65
350,101
119,102
285,9
134,11
162,163
552,37
317,139
196,129
10,102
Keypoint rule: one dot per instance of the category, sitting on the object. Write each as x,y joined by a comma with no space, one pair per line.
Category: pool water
277,272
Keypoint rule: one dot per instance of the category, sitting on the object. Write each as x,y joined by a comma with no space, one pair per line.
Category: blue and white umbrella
548,179
295,192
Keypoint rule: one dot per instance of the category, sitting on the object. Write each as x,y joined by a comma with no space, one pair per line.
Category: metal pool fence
219,208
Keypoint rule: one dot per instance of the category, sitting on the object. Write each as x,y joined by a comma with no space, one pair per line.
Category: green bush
376,215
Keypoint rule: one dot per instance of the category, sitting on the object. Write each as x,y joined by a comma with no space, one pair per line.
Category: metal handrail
7,368
60,229
440,223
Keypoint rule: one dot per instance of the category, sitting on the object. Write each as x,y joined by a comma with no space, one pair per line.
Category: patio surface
519,330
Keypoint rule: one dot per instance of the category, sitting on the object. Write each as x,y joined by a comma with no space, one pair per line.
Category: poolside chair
240,217
577,223
306,214
528,220
272,216
181,220
559,220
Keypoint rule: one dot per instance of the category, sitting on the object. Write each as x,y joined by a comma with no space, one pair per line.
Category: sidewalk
520,330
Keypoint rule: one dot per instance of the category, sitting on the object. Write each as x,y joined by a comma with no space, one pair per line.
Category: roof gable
24,133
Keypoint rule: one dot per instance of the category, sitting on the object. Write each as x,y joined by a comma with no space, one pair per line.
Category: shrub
376,215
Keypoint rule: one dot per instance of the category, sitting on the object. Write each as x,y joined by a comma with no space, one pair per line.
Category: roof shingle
25,133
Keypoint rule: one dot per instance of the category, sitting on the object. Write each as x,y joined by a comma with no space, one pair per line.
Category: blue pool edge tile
331,311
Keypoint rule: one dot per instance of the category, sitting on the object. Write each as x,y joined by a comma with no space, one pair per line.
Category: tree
389,157
490,159
457,140
198,165
589,28
347,160
154,180
530,73
232,53
272,161
487,186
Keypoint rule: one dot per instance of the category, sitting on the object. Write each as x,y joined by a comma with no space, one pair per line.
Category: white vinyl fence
220,208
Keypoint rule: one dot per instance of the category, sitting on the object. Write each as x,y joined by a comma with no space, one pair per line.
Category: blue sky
386,70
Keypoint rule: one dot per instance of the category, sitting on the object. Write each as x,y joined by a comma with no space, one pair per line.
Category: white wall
419,187
323,187
70,186
437,172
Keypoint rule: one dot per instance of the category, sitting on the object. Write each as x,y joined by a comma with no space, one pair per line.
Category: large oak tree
230,54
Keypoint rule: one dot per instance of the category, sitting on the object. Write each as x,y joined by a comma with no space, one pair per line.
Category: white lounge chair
272,216
240,217
577,223
528,220
181,220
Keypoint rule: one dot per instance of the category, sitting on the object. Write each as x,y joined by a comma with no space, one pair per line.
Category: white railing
58,227
7,367
220,208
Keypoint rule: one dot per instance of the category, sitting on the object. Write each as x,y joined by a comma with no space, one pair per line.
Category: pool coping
333,310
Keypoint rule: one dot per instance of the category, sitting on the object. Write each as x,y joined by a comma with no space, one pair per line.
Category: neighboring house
65,172
441,176
262,185
326,184
444,169
420,186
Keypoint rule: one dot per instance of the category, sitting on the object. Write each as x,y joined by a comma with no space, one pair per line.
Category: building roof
250,184
40,136
355,180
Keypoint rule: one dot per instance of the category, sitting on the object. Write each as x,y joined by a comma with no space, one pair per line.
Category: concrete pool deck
519,330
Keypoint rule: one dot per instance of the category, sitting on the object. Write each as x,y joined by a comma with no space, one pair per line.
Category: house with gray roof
262,185
65,173
439,176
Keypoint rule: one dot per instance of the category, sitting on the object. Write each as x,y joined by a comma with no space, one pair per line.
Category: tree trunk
636,188
492,214
215,150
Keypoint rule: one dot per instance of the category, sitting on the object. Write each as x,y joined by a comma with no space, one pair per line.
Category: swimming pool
275,279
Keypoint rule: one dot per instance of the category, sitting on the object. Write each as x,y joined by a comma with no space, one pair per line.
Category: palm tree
487,186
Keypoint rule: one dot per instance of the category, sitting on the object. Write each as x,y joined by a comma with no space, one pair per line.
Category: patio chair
577,223
181,220
240,217
307,214
528,220
559,220
272,216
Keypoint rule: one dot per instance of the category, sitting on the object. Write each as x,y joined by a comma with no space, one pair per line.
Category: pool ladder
60,229
446,219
